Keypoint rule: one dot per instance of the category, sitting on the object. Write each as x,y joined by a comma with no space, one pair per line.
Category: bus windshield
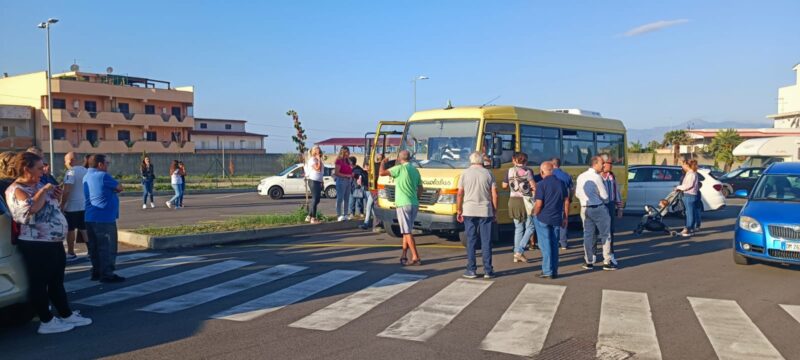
441,144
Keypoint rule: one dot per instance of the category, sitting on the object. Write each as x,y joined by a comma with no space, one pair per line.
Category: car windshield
778,188
732,174
441,144
287,170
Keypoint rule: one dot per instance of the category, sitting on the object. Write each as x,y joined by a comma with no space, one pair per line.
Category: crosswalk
626,328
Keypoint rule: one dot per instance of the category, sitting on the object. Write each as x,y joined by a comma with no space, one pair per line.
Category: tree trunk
676,151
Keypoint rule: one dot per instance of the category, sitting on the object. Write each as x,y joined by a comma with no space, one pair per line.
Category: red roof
355,141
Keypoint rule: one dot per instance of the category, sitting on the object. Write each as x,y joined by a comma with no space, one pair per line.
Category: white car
291,181
647,184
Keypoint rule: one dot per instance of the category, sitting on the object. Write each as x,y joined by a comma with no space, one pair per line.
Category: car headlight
446,199
750,224
382,194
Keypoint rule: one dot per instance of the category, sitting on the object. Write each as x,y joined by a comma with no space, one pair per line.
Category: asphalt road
664,288
207,207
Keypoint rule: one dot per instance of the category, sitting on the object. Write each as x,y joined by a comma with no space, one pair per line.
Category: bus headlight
446,199
750,224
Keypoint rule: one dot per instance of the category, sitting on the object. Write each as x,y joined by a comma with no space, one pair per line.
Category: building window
150,109
124,108
150,136
227,126
90,106
176,111
59,134
59,103
251,144
124,135
203,126
91,135
176,136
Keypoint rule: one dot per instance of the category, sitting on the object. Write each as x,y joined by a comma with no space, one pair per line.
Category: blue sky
345,64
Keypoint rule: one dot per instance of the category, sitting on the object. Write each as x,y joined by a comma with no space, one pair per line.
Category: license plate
792,246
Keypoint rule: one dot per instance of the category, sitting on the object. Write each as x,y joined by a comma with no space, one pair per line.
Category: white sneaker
308,218
152,206
56,325
340,218
144,206
169,204
72,257
76,319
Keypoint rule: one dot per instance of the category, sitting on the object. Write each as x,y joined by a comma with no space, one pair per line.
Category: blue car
768,227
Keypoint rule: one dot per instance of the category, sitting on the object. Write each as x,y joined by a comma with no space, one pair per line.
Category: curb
207,239
189,192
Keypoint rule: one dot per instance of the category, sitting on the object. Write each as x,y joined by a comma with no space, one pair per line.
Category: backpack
518,181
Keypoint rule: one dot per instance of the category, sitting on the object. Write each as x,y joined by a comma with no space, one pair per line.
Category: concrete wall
197,164
666,159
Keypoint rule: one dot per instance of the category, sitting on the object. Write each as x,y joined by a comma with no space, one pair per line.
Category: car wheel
330,192
740,259
275,192
393,231
726,192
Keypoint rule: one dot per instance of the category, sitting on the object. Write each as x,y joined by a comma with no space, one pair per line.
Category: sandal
417,262
403,261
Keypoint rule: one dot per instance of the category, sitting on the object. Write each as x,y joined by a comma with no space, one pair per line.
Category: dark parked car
742,178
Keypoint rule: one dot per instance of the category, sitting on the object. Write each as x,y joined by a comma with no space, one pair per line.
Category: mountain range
657,133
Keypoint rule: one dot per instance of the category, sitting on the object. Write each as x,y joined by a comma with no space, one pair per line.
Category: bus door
499,145
385,141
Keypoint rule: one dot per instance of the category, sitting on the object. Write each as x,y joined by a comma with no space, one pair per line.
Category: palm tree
676,138
653,145
722,146
636,147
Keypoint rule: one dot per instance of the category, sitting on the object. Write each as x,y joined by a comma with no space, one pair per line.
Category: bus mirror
497,146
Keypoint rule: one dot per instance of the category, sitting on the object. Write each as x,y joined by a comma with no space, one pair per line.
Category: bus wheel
394,231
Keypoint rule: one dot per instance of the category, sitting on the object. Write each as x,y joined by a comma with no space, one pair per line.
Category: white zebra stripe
793,310
523,328
731,332
626,327
352,307
203,296
120,260
133,271
161,284
277,300
435,313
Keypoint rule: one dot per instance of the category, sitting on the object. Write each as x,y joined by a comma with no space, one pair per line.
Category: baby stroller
653,218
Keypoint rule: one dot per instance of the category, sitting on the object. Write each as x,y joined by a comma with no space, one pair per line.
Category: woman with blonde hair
691,195
314,174
344,178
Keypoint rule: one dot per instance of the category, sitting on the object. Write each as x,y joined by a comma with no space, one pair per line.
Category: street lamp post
420,77
46,25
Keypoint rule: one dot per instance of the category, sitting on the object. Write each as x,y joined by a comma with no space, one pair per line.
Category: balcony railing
117,118
121,146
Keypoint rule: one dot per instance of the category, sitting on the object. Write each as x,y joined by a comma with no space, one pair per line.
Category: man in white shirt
591,192
72,202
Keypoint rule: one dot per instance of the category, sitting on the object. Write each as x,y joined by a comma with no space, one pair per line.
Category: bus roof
523,114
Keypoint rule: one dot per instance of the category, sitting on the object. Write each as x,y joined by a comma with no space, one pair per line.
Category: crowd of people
46,213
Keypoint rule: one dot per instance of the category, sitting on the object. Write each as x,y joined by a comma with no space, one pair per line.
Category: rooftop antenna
449,105
490,101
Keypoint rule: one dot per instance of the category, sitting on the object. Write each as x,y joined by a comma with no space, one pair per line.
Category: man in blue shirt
551,209
559,174
102,210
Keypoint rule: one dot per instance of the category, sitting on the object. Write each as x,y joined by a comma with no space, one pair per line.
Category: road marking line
234,286
523,328
163,283
312,245
793,310
731,332
435,313
352,307
132,271
237,194
277,300
120,259
626,326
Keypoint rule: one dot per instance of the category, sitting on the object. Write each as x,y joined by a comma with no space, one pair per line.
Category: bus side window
507,133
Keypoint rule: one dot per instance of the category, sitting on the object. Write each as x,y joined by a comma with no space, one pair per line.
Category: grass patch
251,222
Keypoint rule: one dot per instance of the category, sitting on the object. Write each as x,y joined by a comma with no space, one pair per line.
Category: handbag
358,192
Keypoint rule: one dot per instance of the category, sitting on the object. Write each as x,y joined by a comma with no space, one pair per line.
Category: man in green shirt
407,189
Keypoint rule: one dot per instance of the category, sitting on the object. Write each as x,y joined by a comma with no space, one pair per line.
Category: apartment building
105,113
16,127
788,116
211,136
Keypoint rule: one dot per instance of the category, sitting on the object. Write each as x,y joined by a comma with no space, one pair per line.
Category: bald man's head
546,168
403,156
70,159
